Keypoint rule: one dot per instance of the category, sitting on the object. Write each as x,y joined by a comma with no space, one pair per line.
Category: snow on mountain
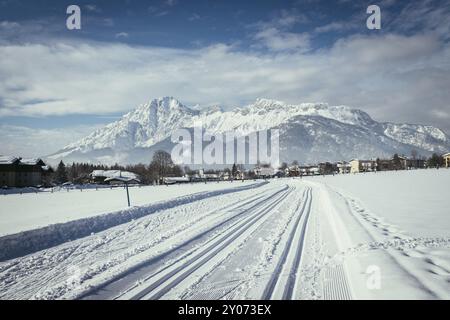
148,124
316,131
424,137
309,139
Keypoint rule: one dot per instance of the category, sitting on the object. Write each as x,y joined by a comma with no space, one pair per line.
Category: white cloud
122,35
289,18
194,17
333,27
161,14
277,40
92,8
429,15
162,9
393,77
27,142
170,3
275,34
107,22
9,25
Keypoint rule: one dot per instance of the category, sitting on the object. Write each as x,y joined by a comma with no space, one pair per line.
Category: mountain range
309,132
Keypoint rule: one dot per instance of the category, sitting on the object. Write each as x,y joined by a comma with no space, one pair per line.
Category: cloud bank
393,77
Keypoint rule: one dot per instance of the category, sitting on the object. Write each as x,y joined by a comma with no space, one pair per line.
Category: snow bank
27,242
22,212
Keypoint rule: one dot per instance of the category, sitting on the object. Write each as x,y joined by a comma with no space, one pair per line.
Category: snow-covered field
392,224
20,212
417,201
365,236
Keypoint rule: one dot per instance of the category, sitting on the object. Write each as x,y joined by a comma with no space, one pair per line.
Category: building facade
362,166
327,168
99,176
18,172
343,167
264,172
446,160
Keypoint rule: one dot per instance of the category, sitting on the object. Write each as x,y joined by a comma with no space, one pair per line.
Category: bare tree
161,164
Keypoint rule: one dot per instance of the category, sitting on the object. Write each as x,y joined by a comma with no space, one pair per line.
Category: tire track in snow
282,283
164,282
244,269
102,257
241,207
30,241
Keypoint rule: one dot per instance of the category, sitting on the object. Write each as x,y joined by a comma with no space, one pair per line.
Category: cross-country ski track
285,239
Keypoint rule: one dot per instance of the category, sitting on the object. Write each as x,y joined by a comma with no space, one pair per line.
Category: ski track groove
291,248
236,205
259,199
161,287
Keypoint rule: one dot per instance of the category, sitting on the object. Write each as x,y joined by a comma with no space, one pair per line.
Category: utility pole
125,181
128,194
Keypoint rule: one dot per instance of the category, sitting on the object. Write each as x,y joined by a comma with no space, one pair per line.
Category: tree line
160,166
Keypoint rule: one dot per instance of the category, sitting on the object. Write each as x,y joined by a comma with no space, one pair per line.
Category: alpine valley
309,132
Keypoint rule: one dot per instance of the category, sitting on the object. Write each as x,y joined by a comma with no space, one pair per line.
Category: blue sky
181,24
58,84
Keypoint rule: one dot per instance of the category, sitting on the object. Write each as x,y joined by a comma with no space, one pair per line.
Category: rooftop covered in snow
113,174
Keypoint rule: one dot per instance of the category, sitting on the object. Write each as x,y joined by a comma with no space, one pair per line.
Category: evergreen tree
435,160
177,171
61,173
234,170
396,161
73,172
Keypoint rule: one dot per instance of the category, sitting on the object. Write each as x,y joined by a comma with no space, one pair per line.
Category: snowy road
286,239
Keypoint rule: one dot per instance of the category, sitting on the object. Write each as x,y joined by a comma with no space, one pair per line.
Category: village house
357,165
385,165
201,176
314,170
18,172
446,159
225,176
240,174
327,168
292,171
264,172
122,181
407,164
404,163
104,176
343,167
416,163
309,170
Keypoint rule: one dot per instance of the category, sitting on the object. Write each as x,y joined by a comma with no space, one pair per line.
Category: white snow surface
404,198
21,212
310,238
